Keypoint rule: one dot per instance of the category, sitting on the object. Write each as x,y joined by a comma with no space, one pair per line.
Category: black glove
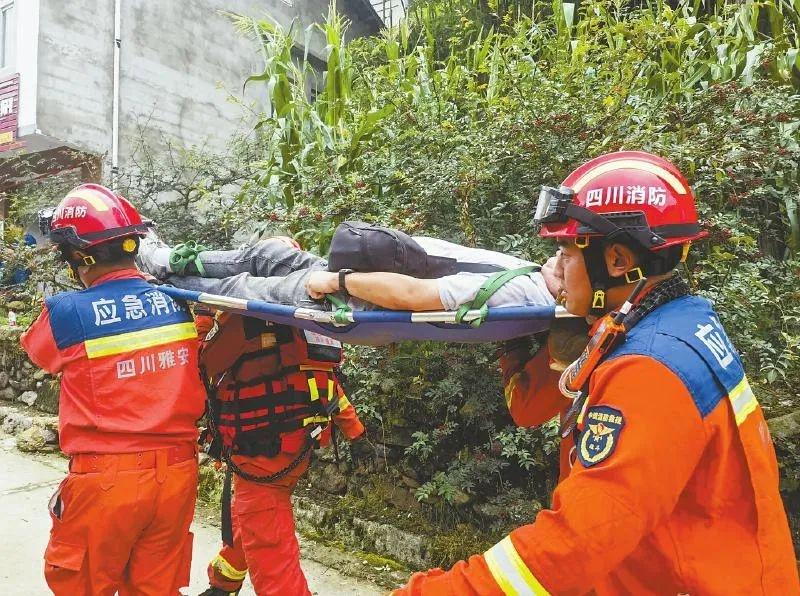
364,453
518,345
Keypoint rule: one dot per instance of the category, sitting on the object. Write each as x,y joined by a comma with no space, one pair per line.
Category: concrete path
26,483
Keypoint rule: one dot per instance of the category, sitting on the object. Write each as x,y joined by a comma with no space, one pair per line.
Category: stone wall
20,380
28,397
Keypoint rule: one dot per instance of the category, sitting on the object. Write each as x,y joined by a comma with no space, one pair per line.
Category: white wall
179,62
24,44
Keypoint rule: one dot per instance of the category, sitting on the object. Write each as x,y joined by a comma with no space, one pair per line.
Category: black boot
218,592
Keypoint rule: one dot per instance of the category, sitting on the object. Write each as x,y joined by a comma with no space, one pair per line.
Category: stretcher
380,327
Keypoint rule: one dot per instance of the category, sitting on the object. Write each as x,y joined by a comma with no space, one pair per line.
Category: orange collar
128,273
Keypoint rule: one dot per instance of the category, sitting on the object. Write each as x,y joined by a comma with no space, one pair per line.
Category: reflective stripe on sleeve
229,571
139,340
510,572
344,403
742,400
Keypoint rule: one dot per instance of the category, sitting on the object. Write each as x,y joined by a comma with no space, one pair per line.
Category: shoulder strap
488,289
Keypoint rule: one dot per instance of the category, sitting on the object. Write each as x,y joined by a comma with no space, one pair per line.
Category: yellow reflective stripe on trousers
742,400
138,340
220,564
510,572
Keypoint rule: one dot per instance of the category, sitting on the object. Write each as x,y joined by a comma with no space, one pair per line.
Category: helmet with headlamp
96,221
630,197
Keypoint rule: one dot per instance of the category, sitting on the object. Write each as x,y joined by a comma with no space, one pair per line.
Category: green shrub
448,125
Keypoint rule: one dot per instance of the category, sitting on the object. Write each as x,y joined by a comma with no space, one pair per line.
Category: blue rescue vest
685,335
131,309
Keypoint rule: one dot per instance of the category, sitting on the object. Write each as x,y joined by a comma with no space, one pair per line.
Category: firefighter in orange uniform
130,396
674,483
274,389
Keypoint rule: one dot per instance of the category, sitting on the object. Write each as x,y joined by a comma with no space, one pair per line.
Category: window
6,18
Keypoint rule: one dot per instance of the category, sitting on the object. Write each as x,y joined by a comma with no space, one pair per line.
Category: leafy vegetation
448,124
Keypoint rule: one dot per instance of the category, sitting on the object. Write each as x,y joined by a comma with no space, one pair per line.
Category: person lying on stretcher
368,267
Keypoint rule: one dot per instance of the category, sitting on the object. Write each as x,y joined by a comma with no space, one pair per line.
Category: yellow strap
510,572
582,413
220,564
139,340
743,401
315,419
313,389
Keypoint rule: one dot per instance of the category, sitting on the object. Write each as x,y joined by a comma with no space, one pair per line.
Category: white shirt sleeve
525,290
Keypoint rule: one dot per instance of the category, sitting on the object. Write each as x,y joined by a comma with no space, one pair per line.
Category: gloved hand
568,337
364,454
518,345
513,355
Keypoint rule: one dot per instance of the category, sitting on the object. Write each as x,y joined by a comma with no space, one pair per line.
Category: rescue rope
270,478
232,468
663,292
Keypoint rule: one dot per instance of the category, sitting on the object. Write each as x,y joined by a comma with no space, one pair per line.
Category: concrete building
390,11
80,79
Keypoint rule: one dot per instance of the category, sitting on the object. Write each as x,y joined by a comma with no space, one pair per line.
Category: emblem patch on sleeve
600,436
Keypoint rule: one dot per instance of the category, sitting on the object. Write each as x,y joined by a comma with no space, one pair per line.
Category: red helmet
626,195
91,214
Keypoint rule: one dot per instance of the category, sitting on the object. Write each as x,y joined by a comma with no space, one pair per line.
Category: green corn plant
297,131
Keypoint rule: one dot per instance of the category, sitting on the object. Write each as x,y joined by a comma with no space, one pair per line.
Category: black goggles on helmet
68,235
556,205
553,205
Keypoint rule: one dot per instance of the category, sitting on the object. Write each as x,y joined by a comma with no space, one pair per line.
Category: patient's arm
386,290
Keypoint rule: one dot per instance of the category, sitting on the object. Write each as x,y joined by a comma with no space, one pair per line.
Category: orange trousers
264,537
121,524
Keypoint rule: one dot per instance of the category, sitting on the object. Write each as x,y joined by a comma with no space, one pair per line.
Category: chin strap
73,264
600,279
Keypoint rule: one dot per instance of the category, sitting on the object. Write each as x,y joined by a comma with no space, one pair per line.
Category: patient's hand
322,282
553,274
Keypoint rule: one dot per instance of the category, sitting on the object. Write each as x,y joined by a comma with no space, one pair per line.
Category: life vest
267,380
